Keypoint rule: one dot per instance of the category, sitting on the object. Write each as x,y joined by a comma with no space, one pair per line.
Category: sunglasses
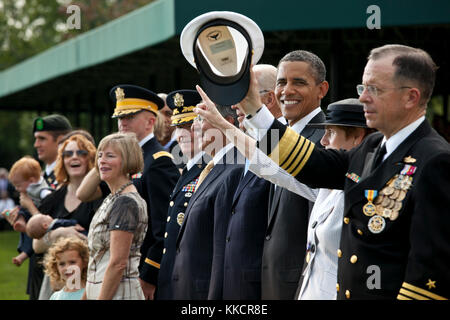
69,153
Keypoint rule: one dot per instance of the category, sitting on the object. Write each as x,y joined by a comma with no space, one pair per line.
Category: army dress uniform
183,103
156,182
395,237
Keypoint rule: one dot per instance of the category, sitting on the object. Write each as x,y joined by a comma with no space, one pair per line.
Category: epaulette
162,154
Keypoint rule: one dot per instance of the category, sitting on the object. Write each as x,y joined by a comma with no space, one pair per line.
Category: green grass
13,279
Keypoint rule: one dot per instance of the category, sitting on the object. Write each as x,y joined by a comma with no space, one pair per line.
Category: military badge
376,224
369,208
178,100
353,176
39,124
180,218
120,95
190,187
409,159
136,176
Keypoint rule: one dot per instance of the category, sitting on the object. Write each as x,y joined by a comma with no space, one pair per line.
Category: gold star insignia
431,284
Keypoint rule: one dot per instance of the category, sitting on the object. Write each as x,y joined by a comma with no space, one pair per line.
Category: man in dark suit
238,277
300,86
181,102
395,234
202,235
136,110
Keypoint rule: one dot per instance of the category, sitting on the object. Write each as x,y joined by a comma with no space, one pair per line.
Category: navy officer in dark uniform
396,228
182,102
136,111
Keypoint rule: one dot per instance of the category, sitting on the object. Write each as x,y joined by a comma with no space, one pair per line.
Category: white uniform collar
301,124
147,138
50,167
194,160
393,142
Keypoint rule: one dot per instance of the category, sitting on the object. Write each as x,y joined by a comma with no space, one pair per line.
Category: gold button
360,232
165,235
171,203
168,218
347,294
346,220
185,204
337,287
164,251
339,253
308,257
353,259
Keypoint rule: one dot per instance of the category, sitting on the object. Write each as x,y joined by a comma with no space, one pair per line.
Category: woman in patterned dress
119,225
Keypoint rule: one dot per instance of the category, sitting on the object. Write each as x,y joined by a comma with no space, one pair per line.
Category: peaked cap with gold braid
183,102
130,99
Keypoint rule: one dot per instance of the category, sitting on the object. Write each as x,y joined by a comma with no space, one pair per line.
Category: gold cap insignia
120,95
431,284
409,159
178,100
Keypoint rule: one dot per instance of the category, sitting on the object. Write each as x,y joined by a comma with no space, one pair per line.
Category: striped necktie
204,173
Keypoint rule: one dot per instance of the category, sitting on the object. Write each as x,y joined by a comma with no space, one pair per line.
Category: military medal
180,218
376,224
369,208
394,215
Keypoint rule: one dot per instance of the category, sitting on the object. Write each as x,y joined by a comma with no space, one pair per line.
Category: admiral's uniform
156,182
182,102
395,237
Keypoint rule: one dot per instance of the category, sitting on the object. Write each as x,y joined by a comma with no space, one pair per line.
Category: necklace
119,191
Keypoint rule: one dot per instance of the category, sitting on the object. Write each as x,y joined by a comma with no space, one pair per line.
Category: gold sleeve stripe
293,154
412,295
422,292
305,159
402,297
287,142
152,263
162,154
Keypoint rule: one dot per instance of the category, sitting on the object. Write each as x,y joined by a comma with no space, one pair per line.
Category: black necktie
381,151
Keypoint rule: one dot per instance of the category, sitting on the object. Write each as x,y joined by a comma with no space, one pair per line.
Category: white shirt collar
301,124
50,167
147,138
221,153
194,160
393,142
283,120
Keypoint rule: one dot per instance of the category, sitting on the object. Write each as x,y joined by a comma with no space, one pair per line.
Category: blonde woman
118,228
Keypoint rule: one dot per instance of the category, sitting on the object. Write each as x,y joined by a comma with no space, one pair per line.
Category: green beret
53,122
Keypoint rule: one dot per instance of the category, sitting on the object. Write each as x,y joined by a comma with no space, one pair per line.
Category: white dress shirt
147,138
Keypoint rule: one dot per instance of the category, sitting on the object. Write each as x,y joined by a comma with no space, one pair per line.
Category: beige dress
126,212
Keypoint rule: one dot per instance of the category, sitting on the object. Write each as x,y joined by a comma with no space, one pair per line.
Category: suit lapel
244,181
274,205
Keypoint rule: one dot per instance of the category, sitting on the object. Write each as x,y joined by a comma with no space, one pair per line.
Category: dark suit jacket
155,185
406,257
195,244
285,241
179,199
237,274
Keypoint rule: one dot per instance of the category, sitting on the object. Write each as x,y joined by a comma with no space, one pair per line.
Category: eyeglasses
264,91
372,90
70,153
